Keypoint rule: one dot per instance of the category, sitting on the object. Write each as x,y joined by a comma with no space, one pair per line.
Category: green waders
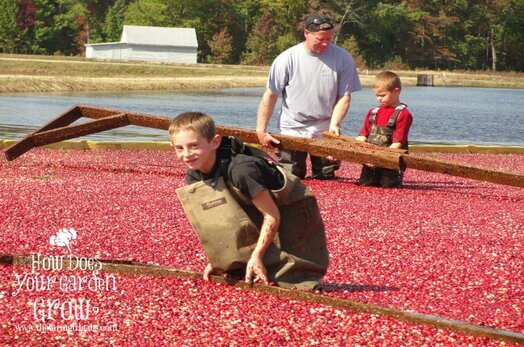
228,225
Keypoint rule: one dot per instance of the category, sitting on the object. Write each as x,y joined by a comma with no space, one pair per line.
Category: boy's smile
196,151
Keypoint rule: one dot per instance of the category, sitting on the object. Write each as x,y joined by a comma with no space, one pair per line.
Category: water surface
441,114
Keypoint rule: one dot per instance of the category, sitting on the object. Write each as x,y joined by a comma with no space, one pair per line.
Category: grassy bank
23,73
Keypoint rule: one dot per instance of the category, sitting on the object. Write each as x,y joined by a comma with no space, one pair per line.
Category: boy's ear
215,141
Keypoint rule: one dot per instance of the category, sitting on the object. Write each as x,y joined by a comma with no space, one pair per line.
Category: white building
155,44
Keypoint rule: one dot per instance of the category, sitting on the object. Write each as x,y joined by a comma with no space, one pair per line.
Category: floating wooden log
136,268
419,162
339,147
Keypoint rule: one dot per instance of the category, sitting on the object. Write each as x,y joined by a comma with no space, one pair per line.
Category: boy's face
387,97
196,151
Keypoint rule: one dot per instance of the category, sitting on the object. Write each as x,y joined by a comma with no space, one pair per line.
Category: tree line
410,34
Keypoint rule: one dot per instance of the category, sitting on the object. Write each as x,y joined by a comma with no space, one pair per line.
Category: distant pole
425,80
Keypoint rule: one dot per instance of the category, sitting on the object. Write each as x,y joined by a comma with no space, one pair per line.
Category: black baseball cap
318,22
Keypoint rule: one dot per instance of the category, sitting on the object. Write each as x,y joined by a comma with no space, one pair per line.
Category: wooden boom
340,147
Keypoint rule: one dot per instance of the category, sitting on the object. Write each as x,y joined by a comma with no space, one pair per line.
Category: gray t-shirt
310,85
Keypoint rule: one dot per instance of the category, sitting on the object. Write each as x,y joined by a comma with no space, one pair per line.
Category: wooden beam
27,142
73,131
419,162
130,267
339,147
462,170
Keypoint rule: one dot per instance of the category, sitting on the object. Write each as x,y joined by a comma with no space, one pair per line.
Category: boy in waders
387,126
252,217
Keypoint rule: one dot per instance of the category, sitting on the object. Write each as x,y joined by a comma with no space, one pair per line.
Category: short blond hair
388,80
199,122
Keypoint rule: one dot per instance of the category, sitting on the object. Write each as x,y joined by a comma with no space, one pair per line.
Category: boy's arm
366,126
266,205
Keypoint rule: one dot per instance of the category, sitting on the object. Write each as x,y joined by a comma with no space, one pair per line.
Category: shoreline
46,74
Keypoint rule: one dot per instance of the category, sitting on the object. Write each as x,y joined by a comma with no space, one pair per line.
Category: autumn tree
260,47
221,46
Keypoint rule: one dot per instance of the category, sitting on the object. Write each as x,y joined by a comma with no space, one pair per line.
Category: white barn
155,44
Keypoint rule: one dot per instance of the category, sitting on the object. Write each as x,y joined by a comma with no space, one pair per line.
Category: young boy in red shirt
387,126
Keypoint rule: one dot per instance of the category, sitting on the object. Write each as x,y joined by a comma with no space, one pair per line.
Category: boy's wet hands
209,270
256,271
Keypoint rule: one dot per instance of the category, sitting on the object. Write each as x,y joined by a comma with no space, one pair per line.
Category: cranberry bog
443,246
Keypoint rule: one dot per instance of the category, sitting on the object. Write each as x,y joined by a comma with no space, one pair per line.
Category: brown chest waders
383,135
228,225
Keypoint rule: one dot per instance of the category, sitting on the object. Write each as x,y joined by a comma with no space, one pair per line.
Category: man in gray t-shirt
315,79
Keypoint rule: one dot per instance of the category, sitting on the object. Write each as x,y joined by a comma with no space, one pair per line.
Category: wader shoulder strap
373,117
393,120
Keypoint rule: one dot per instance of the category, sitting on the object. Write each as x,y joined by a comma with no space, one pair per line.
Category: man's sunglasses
325,20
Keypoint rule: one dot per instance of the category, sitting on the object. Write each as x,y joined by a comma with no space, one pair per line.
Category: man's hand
335,129
209,270
267,140
256,270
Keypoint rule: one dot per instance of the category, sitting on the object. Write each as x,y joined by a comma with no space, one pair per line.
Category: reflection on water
441,115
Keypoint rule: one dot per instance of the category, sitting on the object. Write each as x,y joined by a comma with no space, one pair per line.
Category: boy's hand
255,268
209,270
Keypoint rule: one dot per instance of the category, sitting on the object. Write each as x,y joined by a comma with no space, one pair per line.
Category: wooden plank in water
339,147
462,170
130,267
419,162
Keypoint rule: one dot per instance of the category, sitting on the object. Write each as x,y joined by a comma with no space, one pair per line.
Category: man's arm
339,112
265,111
266,205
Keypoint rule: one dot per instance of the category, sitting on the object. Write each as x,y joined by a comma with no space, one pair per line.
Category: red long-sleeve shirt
404,121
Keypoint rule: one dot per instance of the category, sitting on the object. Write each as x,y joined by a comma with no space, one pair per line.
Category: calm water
441,115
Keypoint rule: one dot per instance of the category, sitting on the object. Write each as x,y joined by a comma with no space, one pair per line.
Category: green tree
384,28
261,47
73,21
147,13
278,28
9,31
114,21
512,39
